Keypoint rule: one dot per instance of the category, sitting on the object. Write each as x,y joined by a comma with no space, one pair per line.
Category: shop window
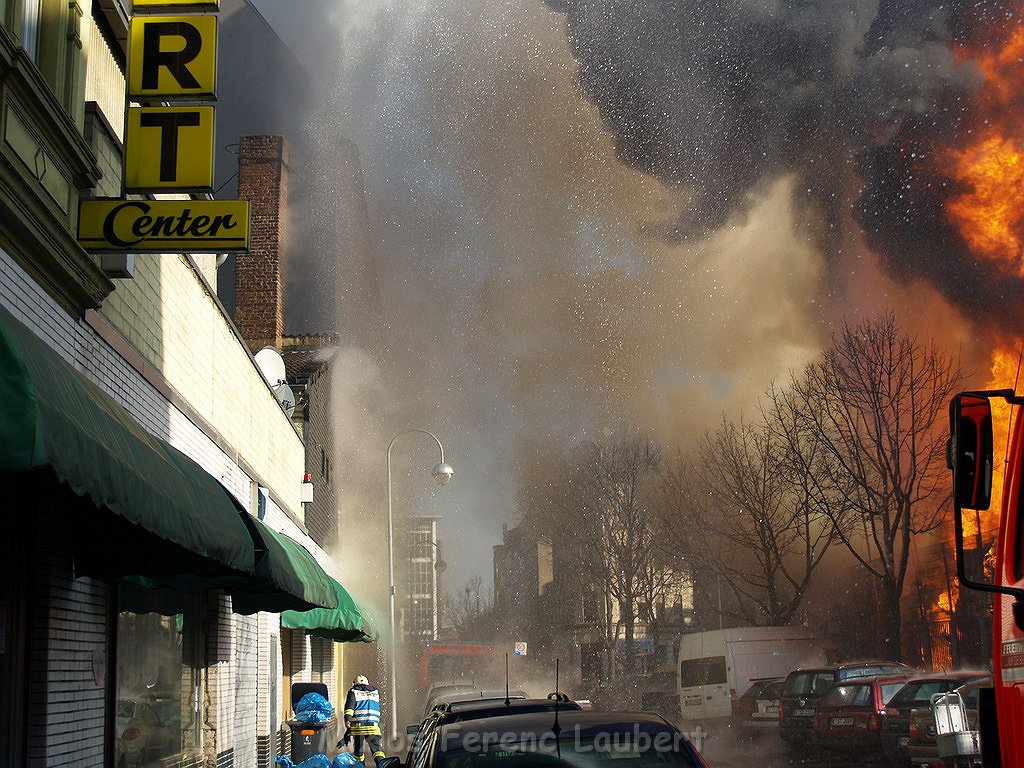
158,676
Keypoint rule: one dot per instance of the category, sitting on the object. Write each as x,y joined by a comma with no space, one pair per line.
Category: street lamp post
442,473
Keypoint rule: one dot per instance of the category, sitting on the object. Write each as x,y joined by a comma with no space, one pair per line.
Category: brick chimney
259,278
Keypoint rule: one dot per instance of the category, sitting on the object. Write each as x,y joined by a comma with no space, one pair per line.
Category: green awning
169,515
343,624
287,576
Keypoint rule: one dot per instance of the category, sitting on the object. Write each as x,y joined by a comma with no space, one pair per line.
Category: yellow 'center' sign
164,225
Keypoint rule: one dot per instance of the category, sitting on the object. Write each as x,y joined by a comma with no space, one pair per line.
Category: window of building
158,676
30,28
50,33
325,466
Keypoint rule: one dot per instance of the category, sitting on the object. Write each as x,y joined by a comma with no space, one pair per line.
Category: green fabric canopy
173,525
52,416
287,577
343,624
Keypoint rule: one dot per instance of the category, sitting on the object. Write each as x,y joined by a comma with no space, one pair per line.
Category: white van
717,666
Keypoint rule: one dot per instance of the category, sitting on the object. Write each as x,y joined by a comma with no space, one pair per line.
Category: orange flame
991,216
989,213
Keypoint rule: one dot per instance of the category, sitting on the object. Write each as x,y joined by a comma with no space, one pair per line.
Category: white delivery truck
717,666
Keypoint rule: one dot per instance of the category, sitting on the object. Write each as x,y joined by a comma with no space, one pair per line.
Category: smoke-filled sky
594,212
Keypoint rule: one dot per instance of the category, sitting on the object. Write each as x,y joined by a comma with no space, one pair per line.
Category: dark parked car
805,687
479,709
850,716
922,747
917,694
757,709
437,690
578,738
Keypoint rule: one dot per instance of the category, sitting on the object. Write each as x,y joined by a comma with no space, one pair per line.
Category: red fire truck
971,459
455,662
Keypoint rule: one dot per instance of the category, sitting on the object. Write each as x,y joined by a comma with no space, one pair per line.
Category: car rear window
753,693
709,670
868,671
802,683
848,696
919,693
889,690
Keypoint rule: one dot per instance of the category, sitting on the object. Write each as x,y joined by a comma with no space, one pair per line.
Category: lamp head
443,473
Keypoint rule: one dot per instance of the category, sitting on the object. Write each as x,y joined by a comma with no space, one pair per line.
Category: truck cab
971,457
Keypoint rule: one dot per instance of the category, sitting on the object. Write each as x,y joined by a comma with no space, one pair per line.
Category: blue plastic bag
345,760
316,761
313,708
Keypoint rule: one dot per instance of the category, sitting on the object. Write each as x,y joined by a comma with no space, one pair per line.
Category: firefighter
362,719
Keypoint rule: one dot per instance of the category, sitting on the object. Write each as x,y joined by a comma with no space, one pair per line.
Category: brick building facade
118,613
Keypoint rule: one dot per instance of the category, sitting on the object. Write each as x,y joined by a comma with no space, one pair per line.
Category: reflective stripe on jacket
362,710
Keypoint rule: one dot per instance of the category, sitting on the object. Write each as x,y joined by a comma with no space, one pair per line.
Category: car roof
475,694
452,687
571,722
513,703
985,679
885,677
493,709
941,677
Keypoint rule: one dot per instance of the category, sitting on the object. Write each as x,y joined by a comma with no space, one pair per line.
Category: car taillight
915,728
130,733
732,694
875,721
779,710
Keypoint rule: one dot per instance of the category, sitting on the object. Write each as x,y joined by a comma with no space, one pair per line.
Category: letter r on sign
173,57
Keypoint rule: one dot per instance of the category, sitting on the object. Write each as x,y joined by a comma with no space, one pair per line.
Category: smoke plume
589,212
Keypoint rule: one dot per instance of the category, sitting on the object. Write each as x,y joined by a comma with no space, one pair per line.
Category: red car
851,715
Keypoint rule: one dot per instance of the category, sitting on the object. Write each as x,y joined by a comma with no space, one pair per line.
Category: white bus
717,666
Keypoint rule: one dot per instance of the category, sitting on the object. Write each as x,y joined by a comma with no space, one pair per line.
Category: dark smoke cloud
715,97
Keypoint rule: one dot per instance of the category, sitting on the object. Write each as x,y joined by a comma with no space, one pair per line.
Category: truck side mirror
969,451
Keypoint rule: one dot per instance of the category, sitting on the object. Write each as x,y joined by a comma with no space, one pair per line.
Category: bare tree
470,610
600,513
868,424
613,482
738,512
